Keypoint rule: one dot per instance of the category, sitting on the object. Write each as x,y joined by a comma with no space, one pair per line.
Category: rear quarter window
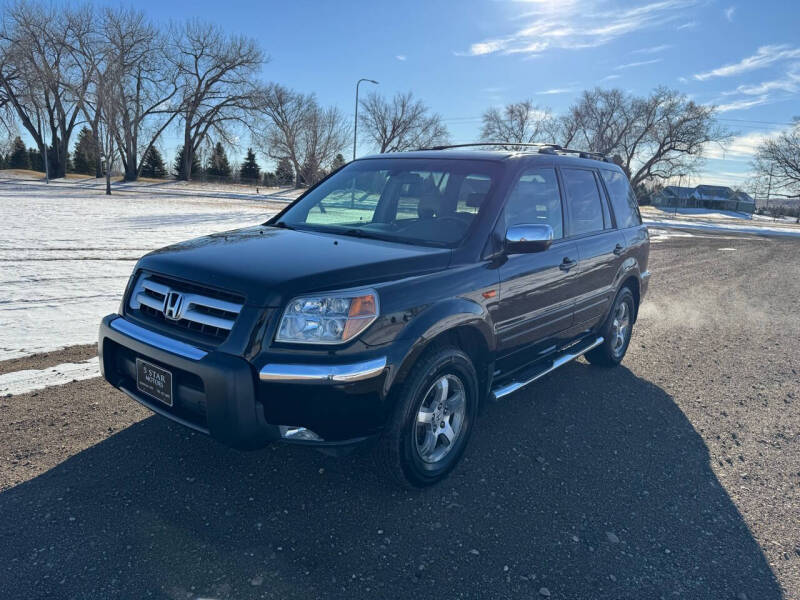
623,200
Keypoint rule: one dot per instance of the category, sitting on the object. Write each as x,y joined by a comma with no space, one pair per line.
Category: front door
536,295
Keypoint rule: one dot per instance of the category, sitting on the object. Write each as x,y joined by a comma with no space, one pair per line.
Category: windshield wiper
352,231
282,225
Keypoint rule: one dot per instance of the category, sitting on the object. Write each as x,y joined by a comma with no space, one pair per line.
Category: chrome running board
540,371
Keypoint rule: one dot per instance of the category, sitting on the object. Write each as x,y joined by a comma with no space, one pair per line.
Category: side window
535,199
584,202
626,209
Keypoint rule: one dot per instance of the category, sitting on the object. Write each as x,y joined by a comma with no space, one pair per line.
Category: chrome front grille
189,306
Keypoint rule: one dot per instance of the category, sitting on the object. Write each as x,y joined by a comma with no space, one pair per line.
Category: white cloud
764,57
729,12
610,77
555,91
640,63
401,57
569,24
653,49
743,104
688,25
741,146
790,84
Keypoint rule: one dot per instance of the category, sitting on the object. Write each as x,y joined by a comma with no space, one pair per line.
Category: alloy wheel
440,419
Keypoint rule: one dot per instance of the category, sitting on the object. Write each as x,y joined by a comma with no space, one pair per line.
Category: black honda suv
387,303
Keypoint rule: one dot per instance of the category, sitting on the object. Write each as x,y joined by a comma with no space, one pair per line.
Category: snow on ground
67,250
783,219
707,226
662,235
696,212
715,221
22,382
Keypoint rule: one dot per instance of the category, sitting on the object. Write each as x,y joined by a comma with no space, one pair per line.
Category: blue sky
464,56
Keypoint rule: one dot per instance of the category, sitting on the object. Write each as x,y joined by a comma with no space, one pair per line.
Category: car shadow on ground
591,484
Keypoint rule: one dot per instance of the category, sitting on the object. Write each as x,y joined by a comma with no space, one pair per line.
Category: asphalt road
674,476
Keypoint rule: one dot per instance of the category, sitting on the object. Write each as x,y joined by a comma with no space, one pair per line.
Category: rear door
535,294
627,218
600,245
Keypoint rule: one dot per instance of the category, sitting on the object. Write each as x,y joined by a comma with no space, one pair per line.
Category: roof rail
544,148
477,144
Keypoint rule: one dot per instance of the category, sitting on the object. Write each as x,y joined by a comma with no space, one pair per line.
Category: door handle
619,249
567,264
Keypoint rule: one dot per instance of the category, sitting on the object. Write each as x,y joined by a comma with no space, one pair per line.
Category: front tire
616,332
433,418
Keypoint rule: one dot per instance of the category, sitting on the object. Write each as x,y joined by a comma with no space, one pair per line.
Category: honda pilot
388,303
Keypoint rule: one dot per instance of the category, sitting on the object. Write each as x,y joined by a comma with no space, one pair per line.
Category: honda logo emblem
173,306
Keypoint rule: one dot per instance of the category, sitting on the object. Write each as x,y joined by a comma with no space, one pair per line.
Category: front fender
440,318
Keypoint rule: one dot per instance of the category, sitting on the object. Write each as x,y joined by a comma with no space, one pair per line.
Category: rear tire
433,418
616,331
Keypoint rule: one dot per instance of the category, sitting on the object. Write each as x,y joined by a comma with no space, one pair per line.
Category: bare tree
216,76
299,129
653,138
599,121
778,161
143,88
39,58
401,124
324,135
520,123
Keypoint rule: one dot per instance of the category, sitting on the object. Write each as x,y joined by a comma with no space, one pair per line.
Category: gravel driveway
675,476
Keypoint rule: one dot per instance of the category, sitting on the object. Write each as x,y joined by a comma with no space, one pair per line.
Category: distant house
714,197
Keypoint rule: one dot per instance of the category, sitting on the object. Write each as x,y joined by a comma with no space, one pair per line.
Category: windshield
429,202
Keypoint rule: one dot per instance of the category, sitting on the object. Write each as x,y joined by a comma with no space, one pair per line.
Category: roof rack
543,149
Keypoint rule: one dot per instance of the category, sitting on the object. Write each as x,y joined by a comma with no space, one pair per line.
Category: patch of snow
705,213
67,251
22,382
752,229
783,219
662,235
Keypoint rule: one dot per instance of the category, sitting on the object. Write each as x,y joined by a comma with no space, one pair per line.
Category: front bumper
223,396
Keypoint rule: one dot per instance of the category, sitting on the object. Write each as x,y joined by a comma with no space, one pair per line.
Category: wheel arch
468,330
633,284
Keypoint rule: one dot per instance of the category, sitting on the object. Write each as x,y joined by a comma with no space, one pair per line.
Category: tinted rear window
623,200
583,198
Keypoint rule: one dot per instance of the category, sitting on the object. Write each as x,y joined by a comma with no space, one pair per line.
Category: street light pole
355,125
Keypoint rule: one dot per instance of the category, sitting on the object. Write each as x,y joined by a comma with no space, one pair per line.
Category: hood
269,265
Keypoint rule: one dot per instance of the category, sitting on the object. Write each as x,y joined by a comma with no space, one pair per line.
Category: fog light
298,433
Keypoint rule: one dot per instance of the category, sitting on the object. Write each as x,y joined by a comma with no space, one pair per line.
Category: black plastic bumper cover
221,388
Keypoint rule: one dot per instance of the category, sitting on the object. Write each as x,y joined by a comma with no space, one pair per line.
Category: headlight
328,318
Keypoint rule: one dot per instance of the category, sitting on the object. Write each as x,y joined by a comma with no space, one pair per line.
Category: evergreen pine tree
250,170
18,159
270,180
284,175
35,160
177,169
85,154
338,162
153,164
218,165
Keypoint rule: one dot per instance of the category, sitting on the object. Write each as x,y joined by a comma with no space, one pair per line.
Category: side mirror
521,239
